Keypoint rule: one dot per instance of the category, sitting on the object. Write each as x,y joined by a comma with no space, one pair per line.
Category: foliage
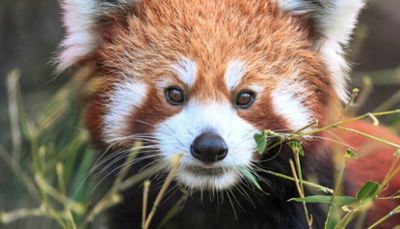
51,158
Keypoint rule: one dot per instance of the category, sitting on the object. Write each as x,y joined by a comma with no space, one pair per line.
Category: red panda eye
245,99
174,96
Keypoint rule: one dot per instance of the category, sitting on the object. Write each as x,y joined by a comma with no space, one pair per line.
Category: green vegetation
343,209
52,160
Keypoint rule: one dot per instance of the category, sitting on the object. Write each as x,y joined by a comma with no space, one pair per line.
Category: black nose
209,147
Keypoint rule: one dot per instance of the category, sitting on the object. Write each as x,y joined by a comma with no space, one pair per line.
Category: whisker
121,153
85,179
133,138
118,159
146,123
113,171
232,205
243,192
103,154
170,193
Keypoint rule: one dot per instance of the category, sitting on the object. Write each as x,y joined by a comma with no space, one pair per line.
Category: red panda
202,78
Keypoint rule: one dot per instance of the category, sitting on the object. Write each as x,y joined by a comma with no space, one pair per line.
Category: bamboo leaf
368,191
261,141
250,177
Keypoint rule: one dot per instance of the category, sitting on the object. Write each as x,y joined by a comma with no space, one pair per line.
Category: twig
371,137
113,197
337,190
125,169
129,182
342,122
49,190
60,177
392,172
308,183
25,179
299,135
347,218
309,218
146,189
314,123
104,204
389,197
174,210
350,103
363,96
9,217
175,164
387,216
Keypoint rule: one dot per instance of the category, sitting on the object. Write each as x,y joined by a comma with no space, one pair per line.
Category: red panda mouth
200,178
206,170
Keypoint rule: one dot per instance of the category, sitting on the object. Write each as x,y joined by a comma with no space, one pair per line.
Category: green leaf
350,153
250,177
261,141
325,199
368,191
297,147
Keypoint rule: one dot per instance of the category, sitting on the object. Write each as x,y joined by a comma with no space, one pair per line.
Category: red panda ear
80,18
334,21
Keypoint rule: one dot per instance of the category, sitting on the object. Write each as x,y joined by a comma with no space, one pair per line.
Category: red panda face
202,78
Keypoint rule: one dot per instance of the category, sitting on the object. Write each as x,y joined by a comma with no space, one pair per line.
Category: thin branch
25,178
146,189
175,164
309,218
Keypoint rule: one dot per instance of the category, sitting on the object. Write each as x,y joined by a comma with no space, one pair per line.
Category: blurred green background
30,31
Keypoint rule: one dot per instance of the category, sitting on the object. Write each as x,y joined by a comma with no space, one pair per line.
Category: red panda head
202,77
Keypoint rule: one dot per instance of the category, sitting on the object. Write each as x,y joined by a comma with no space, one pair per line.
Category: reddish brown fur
143,42
97,108
272,44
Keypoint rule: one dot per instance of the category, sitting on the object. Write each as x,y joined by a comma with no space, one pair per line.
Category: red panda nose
209,147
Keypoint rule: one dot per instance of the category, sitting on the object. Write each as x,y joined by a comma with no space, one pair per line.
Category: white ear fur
79,19
335,20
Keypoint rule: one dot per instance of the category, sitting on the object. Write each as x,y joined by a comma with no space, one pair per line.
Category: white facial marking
215,183
288,101
177,133
333,53
234,73
128,95
186,70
